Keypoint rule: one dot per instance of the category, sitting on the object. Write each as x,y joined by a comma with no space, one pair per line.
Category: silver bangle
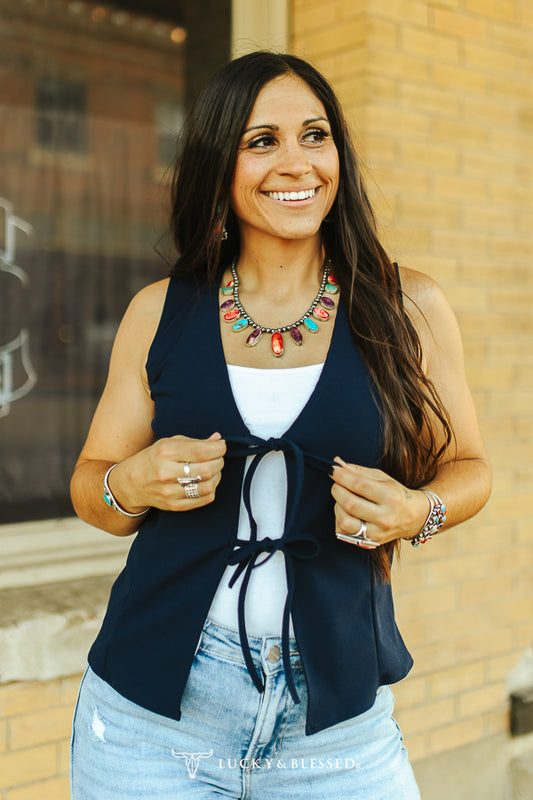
112,501
434,520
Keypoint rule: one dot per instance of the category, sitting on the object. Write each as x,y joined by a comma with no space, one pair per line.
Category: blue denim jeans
232,741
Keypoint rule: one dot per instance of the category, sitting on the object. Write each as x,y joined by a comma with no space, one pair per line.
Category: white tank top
269,401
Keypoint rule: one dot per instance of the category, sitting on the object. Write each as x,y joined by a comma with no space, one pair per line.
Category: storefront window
91,98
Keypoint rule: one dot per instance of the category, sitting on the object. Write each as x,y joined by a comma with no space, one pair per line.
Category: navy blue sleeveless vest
342,613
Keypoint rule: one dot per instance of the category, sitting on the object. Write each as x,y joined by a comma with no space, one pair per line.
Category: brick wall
35,722
441,100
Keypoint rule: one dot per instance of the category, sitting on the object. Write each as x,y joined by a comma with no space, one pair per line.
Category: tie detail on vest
293,543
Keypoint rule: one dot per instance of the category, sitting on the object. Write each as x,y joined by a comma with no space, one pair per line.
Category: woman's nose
293,160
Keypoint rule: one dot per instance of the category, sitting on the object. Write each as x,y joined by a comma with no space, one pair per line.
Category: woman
278,416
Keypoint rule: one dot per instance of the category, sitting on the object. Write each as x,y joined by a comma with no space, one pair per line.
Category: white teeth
303,195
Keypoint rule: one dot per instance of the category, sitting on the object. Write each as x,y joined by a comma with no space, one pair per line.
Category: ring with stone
360,538
191,491
187,479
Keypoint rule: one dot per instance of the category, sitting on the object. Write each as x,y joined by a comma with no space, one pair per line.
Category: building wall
440,98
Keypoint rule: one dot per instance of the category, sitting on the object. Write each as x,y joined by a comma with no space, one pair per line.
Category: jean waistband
227,640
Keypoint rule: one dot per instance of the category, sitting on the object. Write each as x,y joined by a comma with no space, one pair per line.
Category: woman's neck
264,265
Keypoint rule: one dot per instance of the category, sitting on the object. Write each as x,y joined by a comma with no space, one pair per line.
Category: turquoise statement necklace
320,309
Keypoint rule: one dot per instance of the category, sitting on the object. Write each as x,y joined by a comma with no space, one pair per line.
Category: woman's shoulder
427,305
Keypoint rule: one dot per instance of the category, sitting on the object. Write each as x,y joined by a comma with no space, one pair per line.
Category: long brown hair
384,334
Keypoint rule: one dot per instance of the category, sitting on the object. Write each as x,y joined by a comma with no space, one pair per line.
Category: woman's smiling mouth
305,194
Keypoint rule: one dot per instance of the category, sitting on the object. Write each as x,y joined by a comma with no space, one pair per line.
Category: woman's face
287,170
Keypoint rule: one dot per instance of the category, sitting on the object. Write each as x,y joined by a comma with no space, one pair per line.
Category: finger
371,484
203,470
355,505
183,448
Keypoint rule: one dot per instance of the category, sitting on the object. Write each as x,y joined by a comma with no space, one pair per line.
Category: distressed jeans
232,741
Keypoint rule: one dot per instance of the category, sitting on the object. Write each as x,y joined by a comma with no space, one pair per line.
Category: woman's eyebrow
271,127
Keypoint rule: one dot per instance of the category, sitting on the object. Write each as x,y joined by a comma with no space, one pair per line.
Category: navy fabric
342,613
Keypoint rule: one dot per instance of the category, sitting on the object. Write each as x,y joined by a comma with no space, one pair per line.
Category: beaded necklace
235,313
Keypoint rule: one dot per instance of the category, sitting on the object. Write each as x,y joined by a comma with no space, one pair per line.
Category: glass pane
91,98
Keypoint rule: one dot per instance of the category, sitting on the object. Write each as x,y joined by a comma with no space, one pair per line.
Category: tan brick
30,765
384,119
493,641
449,737
467,80
410,11
429,44
403,66
69,688
456,679
417,747
497,668
41,727
493,59
511,299
459,568
431,99
63,757
488,377
494,9
19,698
340,36
496,722
426,717
411,691
488,698
381,34
428,603
516,403
482,591
55,789
324,15
457,23
491,220
458,187
463,242
466,298
507,612
522,635
393,178
430,156
441,655
3,735
381,149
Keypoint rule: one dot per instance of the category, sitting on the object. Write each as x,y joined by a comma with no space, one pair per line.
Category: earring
220,234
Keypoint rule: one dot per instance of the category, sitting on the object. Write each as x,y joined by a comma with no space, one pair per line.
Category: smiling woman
296,406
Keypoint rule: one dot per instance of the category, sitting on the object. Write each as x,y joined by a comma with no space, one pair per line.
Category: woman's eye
316,135
262,141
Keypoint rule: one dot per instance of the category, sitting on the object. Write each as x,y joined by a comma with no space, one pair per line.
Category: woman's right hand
149,478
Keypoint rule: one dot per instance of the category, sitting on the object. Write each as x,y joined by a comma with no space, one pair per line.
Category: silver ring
186,480
360,538
191,491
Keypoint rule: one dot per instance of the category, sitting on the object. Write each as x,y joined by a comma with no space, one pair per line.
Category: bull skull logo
192,760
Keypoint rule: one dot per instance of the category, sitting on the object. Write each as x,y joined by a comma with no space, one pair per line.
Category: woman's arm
463,478
121,433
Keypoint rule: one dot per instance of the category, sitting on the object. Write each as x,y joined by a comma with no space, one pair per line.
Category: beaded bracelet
434,520
112,501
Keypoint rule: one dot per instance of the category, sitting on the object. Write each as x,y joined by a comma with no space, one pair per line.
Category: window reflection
91,98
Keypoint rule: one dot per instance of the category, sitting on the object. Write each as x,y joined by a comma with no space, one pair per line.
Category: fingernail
331,470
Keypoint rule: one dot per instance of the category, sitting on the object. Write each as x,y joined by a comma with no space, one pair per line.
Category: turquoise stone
331,288
227,290
240,325
311,325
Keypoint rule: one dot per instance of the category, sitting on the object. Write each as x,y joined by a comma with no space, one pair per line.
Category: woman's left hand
389,509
